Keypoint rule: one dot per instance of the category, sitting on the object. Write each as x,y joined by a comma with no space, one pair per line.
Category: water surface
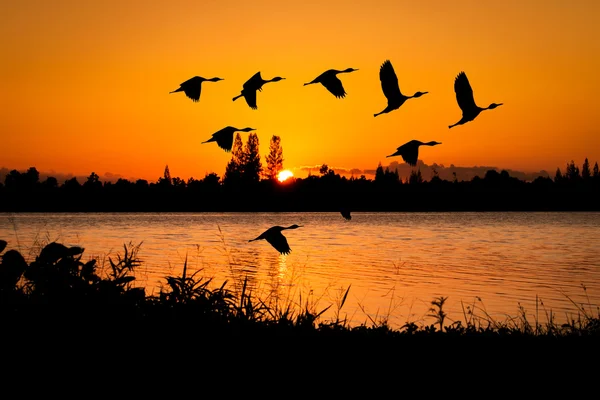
394,263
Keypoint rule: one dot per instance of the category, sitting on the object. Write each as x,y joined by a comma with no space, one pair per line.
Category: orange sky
85,84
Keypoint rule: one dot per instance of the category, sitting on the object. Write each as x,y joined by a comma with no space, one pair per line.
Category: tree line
248,186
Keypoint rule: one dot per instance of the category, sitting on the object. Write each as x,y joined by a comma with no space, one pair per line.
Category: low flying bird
346,214
391,90
224,137
276,239
251,86
466,101
410,151
193,86
331,82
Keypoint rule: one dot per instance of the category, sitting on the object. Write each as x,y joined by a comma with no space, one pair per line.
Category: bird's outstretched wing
464,93
334,85
224,138
254,83
192,88
279,242
250,96
409,152
389,82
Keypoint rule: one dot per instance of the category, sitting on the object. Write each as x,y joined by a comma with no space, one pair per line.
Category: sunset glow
285,174
86,87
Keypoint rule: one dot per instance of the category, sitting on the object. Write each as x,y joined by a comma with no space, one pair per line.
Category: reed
58,285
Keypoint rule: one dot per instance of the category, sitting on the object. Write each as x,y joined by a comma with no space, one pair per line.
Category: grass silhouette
58,289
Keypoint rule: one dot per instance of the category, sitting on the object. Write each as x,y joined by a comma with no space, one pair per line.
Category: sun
285,174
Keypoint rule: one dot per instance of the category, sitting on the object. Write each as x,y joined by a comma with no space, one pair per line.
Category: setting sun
285,174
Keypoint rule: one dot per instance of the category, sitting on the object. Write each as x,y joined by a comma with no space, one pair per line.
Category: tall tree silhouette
379,174
415,177
233,171
585,170
572,173
558,176
596,175
252,166
275,158
166,179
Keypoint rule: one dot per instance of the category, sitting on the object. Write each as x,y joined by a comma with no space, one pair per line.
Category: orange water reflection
394,263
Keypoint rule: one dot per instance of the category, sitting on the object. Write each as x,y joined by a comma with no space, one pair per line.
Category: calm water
394,263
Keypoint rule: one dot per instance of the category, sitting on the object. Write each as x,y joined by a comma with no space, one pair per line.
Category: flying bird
331,82
193,86
276,239
224,137
466,101
410,151
391,90
251,86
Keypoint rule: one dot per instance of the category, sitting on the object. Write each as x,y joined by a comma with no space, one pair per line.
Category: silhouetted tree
558,177
275,158
166,179
252,166
415,177
233,171
572,172
211,180
324,169
12,179
51,183
585,170
93,182
379,174
72,184
595,173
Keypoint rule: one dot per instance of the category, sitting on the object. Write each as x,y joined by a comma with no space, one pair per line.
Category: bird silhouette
193,86
224,137
251,86
331,82
346,214
391,90
276,239
466,101
410,151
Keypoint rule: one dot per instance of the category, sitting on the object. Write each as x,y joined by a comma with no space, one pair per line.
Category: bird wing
192,88
250,96
254,83
389,82
279,242
409,152
464,93
334,85
224,138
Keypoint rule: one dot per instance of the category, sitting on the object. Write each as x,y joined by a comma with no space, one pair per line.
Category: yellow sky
85,85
